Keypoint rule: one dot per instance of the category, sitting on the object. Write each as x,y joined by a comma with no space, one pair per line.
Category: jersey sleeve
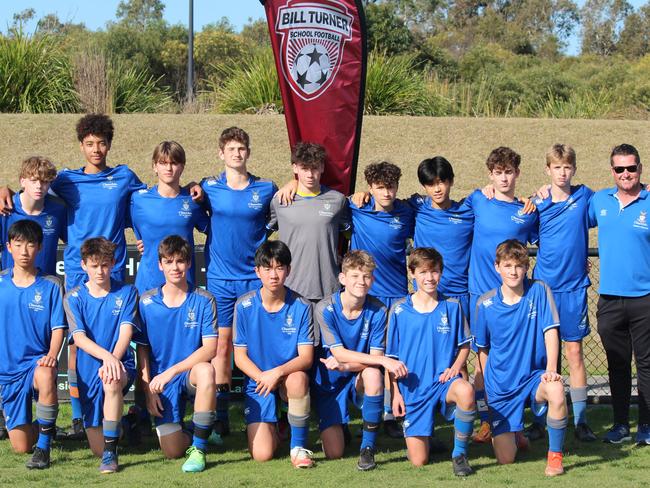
131,218
140,336
306,331
481,331
378,331
209,318
272,223
462,326
129,313
533,234
392,335
72,307
345,220
326,322
201,220
134,183
239,327
63,224
57,315
548,317
591,213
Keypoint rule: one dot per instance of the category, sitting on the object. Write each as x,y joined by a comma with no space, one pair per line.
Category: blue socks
388,407
556,429
298,417
463,425
371,412
46,417
111,429
202,428
579,404
74,394
223,399
481,405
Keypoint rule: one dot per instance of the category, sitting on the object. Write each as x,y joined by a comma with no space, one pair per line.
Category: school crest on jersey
255,201
191,321
443,325
396,223
518,218
327,210
314,35
642,220
186,209
455,219
37,302
109,184
365,332
532,309
48,225
289,328
118,305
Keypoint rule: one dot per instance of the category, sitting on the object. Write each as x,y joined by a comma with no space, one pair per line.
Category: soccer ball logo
311,67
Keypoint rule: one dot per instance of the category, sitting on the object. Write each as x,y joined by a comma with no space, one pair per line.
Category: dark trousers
624,328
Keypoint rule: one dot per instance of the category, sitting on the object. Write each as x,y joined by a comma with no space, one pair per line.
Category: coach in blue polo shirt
621,214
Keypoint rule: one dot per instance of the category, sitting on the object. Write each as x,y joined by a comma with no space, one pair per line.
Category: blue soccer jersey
100,318
98,205
363,334
384,236
514,336
563,241
623,243
272,338
427,343
174,333
52,220
450,233
237,226
155,217
494,222
27,318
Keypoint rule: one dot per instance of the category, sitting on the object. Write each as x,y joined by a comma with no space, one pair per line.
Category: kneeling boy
32,329
102,314
177,343
517,335
274,347
429,333
353,329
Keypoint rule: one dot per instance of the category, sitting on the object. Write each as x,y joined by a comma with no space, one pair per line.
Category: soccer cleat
643,435
617,434
584,433
461,466
554,464
535,432
521,441
40,459
215,439
483,435
109,463
195,462
301,457
393,429
366,459
77,432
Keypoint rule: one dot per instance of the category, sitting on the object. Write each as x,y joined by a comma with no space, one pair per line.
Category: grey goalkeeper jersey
310,227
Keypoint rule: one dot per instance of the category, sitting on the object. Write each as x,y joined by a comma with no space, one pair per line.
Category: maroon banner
320,54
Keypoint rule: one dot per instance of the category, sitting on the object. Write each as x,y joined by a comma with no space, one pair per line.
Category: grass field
402,140
591,465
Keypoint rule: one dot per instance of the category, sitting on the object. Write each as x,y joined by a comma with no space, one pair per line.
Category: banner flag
320,55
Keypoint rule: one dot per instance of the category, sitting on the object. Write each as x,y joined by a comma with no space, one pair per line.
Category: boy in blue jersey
352,330
563,224
32,329
33,203
162,210
178,339
430,335
239,206
102,316
274,348
516,333
495,220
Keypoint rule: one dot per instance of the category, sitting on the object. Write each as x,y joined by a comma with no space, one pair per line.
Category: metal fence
595,360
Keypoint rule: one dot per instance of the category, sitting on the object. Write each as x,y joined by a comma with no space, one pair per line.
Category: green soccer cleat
195,462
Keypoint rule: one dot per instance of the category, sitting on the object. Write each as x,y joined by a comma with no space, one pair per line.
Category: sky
95,14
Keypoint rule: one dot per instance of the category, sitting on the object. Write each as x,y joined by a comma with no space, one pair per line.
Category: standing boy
32,329
516,333
352,330
102,314
239,206
177,342
274,348
430,335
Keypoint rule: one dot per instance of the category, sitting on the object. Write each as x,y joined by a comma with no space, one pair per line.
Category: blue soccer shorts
226,293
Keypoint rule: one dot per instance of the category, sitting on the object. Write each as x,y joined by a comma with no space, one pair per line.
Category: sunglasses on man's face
633,168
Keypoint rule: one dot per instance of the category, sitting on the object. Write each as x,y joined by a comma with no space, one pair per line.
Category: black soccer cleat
77,431
535,432
461,466
40,459
366,459
393,429
584,433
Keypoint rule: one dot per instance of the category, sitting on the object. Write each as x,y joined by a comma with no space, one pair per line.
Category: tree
602,24
140,13
386,31
634,41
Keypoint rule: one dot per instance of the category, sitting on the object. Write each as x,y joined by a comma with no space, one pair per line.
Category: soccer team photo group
353,319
